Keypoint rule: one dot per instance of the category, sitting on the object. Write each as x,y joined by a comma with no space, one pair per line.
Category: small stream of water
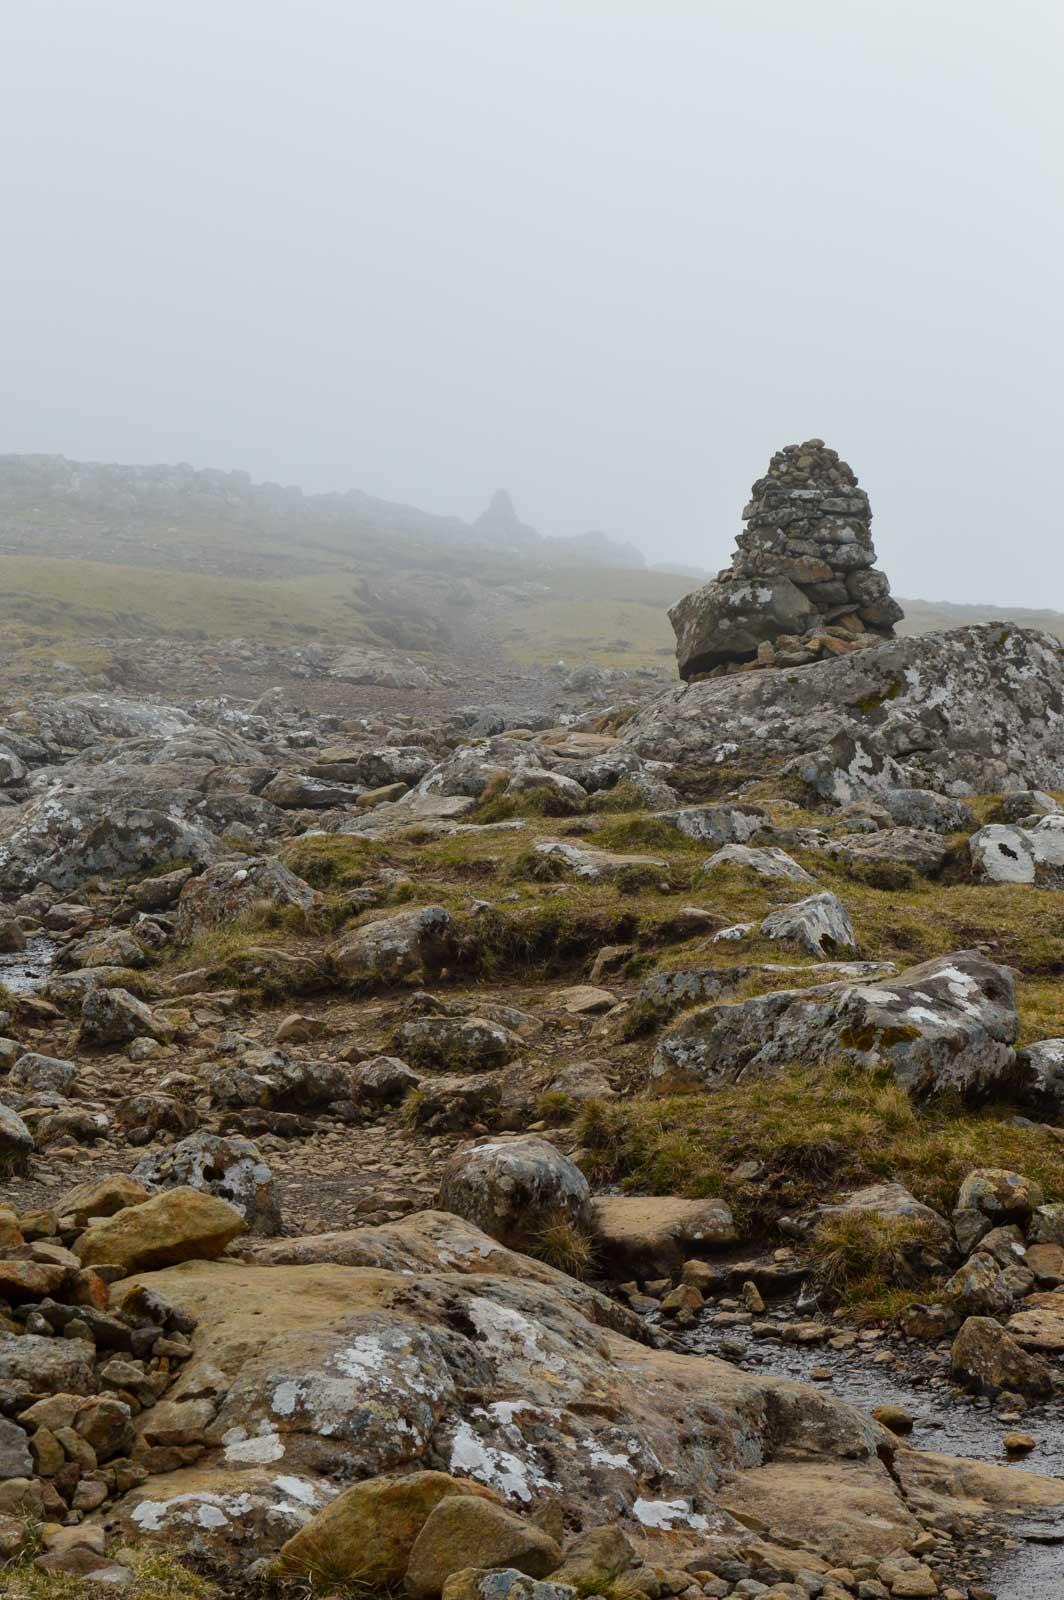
944,1424
23,971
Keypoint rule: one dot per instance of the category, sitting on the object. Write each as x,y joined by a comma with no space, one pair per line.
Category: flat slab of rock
1040,1324
651,1236
583,861
768,863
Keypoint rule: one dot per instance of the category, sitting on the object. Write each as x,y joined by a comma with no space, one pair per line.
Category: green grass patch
813,1132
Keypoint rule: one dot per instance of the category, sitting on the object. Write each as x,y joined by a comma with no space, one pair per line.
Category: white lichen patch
502,1470
669,1514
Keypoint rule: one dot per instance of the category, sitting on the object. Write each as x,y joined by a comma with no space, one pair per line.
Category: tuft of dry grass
158,1574
863,1255
562,1243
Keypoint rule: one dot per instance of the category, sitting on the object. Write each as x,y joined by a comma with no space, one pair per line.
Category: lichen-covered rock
1012,854
31,1365
1043,1064
230,889
919,848
475,1372
274,1080
383,1081
715,824
66,837
999,1195
923,808
178,1225
224,1165
974,711
948,1025
819,925
33,1071
978,1288
457,1044
513,1188
768,862
395,949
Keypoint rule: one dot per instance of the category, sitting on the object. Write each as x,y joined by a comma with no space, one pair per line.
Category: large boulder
33,1071
651,1236
224,1165
464,1531
978,710
1003,854
230,889
16,1142
66,837
178,1225
514,1188
1043,1063
115,1017
469,1368
274,1080
395,949
458,1044
819,925
948,1025
726,621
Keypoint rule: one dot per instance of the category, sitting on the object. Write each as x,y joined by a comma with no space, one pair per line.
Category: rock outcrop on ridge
803,583
977,711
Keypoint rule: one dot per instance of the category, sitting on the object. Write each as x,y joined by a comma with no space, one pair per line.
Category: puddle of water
26,970
1035,1570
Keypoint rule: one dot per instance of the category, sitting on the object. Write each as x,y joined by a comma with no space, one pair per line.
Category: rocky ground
586,1140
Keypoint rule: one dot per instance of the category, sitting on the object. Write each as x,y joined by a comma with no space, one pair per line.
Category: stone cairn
802,585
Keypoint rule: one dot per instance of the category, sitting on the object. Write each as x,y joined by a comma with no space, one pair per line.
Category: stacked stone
803,583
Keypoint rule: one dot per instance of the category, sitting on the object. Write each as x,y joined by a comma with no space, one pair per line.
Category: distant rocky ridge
114,511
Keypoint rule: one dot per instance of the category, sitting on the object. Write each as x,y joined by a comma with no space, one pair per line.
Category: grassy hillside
89,599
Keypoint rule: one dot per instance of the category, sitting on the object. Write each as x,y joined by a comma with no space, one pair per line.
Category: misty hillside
224,521
92,555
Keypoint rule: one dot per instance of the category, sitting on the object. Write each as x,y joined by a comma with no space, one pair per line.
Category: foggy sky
607,253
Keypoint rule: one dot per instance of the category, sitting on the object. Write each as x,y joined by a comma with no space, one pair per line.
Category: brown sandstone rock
367,1533
177,1225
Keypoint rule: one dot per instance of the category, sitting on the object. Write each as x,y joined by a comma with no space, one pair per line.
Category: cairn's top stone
803,582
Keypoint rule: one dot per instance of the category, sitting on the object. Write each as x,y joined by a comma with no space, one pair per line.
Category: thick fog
607,253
